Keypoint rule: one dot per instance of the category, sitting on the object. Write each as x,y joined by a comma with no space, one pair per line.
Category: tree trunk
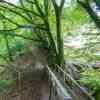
60,47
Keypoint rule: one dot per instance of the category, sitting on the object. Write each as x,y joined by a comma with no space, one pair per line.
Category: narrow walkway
34,88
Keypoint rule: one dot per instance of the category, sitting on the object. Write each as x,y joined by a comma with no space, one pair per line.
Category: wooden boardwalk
35,88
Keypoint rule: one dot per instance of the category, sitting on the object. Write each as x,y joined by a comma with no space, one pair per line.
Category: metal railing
60,90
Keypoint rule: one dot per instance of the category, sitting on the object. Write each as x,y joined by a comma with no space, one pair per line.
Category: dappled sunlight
49,49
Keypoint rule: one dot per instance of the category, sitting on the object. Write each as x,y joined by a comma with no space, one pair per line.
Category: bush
5,85
91,79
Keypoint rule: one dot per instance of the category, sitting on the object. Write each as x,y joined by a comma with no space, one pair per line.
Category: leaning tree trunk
90,11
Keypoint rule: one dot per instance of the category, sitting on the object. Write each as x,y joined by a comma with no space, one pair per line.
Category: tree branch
9,19
23,9
15,12
38,8
17,35
90,11
27,13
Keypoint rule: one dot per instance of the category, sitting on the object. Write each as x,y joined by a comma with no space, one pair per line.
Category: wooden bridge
46,84
37,87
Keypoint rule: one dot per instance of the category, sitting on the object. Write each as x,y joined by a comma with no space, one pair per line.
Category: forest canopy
81,39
